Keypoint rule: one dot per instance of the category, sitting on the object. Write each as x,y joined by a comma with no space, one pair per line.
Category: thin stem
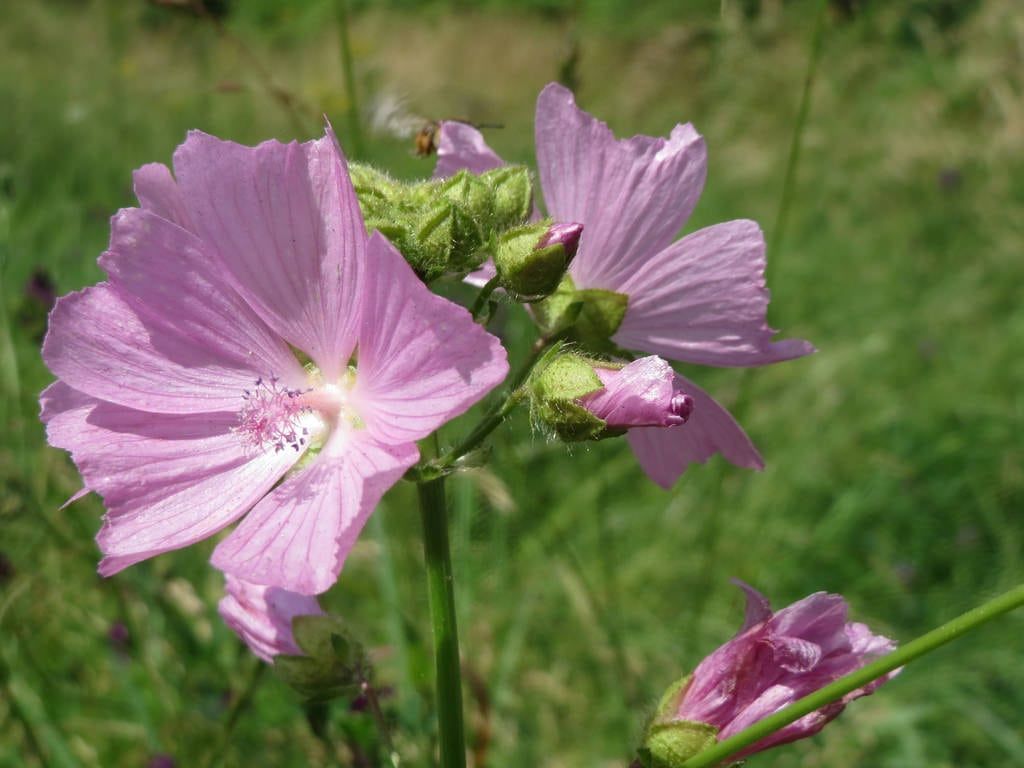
238,706
949,631
355,130
483,296
383,729
440,588
796,142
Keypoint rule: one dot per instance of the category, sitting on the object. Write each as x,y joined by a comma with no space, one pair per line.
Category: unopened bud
531,260
584,399
513,195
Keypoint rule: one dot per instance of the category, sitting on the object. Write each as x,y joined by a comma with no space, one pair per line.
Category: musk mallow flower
262,616
775,659
253,351
700,299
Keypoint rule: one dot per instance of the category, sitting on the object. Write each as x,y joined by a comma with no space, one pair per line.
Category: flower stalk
927,643
440,588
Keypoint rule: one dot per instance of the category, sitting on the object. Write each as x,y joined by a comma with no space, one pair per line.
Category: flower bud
531,260
775,659
513,195
584,399
262,616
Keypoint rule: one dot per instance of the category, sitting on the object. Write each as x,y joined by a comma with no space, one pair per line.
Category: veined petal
166,480
157,191
703,300
172,282
422,359
284,222
462,147
632,196
99,345
298,537
665,454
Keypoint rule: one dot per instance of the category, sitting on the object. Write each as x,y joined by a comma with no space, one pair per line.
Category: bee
429,135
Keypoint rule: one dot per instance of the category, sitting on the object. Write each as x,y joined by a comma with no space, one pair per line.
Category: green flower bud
513,195
531,260
555,390
333,663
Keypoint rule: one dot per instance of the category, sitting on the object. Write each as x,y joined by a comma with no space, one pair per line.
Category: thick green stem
844,685
442,614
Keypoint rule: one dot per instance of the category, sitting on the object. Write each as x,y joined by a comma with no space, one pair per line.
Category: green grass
895,467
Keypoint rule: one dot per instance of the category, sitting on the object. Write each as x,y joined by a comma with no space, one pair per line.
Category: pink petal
262,616
157,191
632,196
643,393
462,147
297,538
703,300
422,359
666,453
285,224
171,281
758,609
99,345
819,618
166,480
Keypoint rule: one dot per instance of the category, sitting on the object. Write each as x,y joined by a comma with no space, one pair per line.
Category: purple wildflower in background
775,659
181,399
262,616
701,299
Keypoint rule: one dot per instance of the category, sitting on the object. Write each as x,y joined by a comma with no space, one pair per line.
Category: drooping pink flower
701,299
644,393
777,658
180,395
262,616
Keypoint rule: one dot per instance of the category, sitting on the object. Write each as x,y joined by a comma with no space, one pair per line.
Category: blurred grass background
895,466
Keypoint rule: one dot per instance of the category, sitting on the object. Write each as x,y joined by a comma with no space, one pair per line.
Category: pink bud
566,235
642,394
262,616
776,659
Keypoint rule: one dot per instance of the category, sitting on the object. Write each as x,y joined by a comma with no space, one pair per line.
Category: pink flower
775,659
180,396
701,299
262,616
643,393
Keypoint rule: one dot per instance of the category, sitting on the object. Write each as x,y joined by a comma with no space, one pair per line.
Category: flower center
280,417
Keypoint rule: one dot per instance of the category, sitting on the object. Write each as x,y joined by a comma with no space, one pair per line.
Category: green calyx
333,662
670,745
668,742
555,390
526,272
443,226
590,316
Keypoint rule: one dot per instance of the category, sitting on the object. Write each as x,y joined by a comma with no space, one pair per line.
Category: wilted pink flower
262,616
701,299
777,658
643,393
181,399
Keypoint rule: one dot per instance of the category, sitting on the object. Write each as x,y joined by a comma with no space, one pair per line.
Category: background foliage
895,466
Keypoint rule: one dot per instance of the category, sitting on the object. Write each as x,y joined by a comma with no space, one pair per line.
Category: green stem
949,631
796,141
434,513
354,127
483,296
